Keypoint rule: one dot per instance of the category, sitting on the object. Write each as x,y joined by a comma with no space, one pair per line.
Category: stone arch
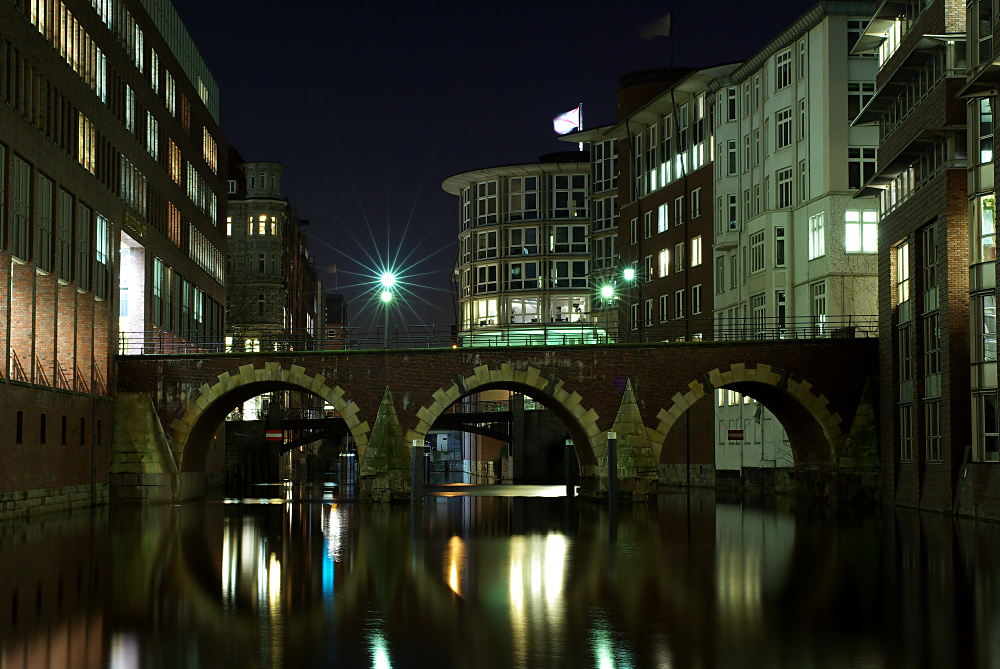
816,433
208,407
581,422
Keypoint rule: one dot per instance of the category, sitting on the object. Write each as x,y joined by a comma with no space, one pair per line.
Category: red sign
272,435
736,435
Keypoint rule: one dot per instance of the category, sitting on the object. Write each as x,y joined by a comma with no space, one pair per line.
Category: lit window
903,273
817,236
861,231
696,251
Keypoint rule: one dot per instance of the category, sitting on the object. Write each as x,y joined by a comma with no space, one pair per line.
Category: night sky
371,104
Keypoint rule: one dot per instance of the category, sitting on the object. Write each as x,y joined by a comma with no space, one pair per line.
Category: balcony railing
528,334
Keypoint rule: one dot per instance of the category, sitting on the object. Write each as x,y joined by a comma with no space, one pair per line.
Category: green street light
387,296
629,274
607,292
388,280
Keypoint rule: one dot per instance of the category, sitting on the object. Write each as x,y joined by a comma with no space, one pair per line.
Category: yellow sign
134,224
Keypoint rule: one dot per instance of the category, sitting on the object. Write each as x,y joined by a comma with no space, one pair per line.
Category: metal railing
17,371
61,380
543,334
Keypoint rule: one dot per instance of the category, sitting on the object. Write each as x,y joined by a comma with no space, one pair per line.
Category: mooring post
612,469
416,476
570,454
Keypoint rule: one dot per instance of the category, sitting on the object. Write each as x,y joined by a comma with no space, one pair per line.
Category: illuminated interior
131,288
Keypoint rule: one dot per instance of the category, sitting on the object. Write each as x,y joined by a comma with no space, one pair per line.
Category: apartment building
795,244
110,205
925,258
524,250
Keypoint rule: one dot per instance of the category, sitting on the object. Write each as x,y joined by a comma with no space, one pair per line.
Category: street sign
736,435
272,435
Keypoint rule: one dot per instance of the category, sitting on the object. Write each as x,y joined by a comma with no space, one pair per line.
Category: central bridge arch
549,391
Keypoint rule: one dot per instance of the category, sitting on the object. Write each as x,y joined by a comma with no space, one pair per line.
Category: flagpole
581,125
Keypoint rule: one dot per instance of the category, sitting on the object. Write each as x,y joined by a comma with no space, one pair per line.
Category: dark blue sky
370,105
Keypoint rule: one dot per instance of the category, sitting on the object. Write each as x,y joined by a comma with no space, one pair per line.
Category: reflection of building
795,244
524,248
109,205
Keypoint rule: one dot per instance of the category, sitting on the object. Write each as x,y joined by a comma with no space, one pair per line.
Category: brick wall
37,474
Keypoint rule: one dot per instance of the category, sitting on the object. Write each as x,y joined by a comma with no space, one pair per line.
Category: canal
292,575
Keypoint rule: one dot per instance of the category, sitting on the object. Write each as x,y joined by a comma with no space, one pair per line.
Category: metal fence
546,334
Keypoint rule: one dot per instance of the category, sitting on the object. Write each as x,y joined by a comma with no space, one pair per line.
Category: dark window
41,429
20,427
83,430
63,436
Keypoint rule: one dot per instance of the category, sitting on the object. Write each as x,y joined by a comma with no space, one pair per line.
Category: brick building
110,199
928,254
273,294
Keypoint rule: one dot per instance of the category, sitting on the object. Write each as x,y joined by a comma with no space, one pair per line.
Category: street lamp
607,293
629,275
388,280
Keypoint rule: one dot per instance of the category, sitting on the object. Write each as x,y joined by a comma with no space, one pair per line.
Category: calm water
292,577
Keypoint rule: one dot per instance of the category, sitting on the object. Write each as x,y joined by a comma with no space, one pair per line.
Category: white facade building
795,249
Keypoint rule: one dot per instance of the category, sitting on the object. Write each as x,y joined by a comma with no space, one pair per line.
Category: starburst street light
388,280
629,274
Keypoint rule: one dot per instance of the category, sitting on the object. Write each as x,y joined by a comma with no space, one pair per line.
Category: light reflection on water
295,576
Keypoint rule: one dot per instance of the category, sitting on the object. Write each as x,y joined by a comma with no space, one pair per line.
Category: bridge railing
542,334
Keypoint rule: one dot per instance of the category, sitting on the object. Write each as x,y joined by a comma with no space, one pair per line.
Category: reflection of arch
814,433
547,390
208,407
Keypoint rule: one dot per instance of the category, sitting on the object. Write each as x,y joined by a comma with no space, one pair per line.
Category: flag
568,122
659,27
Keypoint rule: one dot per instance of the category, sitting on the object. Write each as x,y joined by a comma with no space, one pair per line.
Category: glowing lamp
387,296
629,273
607,292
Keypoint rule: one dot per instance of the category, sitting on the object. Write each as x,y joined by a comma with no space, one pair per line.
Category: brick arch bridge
813,387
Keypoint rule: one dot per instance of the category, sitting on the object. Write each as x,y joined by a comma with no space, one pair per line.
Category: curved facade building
524,250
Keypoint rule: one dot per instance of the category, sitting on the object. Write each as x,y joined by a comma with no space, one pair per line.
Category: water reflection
295,576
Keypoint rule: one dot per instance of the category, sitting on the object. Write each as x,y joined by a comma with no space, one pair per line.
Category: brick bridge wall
813,387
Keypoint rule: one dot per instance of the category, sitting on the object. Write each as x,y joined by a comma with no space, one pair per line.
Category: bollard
416,476
612,468
612,487
570,454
